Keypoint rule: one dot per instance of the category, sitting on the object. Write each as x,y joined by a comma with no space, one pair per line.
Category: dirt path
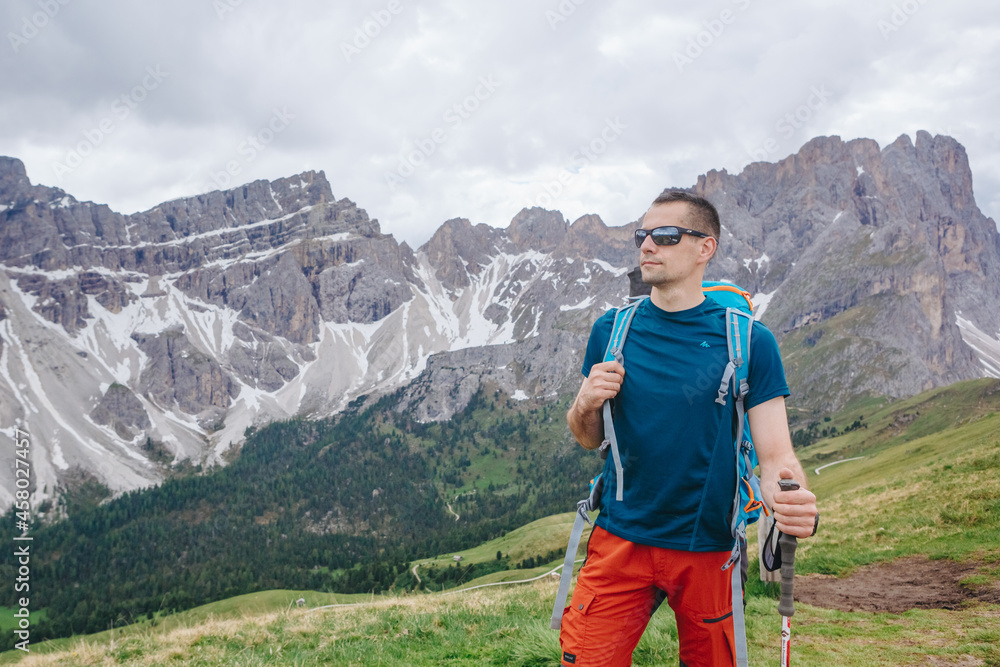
414,571
457,517
907,583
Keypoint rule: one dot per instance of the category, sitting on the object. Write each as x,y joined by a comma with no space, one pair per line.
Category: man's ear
708,247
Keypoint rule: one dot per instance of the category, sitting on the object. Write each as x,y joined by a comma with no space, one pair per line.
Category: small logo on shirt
705,344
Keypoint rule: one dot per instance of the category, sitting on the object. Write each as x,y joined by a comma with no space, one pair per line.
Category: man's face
664,264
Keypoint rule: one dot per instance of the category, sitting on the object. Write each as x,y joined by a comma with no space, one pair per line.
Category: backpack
747,499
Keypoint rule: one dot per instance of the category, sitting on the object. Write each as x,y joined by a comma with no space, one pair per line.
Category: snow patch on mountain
586,303
986,347
760,303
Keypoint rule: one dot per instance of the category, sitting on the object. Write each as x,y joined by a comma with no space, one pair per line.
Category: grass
946,505
928,485
534,539
510,627
264,602
8,622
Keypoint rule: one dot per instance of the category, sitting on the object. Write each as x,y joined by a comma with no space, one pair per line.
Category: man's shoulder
601,329
761,332
608,318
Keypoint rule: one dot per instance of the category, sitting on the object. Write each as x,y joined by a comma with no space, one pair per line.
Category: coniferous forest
336,505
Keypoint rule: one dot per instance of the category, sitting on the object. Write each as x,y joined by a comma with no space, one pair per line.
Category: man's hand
603,383
584,416
794,511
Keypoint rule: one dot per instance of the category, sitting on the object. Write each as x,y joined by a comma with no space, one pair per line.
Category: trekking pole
786,605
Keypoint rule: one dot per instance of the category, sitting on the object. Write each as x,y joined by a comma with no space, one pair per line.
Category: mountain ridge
873,267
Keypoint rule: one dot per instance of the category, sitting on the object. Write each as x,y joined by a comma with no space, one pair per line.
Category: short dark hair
704,215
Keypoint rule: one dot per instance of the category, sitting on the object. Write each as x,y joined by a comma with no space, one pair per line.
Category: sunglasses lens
666,235
661,236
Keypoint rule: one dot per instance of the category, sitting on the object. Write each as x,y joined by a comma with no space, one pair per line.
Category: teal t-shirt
675,441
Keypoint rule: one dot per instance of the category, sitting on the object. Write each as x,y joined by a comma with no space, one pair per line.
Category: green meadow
925,481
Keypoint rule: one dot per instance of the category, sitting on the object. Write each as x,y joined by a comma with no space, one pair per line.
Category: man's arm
584,417
794,511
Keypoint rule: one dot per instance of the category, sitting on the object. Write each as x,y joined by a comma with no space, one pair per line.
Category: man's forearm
769,428
585,416
587,426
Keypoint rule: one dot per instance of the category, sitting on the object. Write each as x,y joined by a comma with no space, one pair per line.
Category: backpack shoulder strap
616,343
623,320
739,325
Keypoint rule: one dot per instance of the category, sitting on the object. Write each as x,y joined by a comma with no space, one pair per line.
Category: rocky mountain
123,338
877,265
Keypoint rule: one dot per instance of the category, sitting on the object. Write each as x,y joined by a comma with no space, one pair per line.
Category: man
671,530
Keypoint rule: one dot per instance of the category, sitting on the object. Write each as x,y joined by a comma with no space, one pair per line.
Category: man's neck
676,297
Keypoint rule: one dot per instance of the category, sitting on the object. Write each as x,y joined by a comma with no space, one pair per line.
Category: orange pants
614,596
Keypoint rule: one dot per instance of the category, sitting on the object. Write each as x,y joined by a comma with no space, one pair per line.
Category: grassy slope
509,626
928,485
538,537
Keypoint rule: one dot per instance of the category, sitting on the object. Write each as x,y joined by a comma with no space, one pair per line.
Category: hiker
671,529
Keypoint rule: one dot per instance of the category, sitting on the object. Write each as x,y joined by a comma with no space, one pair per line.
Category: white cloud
753,64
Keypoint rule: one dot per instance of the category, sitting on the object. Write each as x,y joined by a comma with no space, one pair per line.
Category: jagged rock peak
16,187
13,176
247,204
590,238
588,223
459,248
537,229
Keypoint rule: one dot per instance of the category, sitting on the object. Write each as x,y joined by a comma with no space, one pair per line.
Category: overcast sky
425,111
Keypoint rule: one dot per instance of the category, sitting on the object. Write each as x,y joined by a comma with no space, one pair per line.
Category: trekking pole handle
788,543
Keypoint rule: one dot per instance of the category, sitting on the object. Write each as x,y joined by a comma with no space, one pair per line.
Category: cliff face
871,259
189,322
185,323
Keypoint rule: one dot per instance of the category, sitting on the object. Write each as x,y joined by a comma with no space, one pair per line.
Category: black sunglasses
665,235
